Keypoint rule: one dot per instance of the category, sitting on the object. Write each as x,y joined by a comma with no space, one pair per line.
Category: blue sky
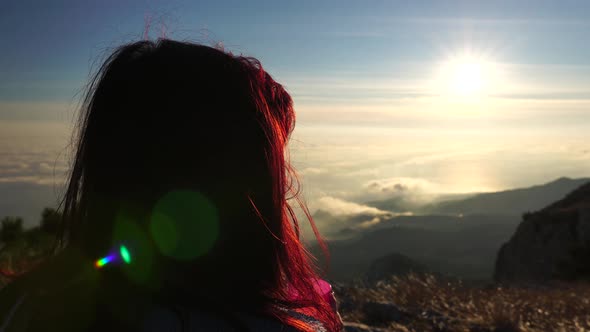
385,91
49,46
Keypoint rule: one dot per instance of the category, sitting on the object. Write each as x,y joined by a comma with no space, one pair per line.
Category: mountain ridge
511,201
551,243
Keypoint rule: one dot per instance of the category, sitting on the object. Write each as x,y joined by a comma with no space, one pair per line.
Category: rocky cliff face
550,244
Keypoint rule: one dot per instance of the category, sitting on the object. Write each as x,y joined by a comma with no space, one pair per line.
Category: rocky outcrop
550,244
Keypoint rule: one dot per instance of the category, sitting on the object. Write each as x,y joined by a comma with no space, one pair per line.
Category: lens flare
128,231
103,261
184,224
125,254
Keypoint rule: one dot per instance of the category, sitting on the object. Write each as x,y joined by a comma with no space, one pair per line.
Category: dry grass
433,304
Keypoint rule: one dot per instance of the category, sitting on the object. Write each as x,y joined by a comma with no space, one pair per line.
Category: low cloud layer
399,186
337,218
339,207
37,169
33,153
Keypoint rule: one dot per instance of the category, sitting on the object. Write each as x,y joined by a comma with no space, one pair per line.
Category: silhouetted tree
50,220
11,228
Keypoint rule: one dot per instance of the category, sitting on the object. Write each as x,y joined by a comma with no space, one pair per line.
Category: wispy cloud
337,216
340,207
400,186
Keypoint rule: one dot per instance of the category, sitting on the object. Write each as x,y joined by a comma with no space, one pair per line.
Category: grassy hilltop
425,303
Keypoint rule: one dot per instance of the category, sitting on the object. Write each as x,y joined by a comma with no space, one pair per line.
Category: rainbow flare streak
103,261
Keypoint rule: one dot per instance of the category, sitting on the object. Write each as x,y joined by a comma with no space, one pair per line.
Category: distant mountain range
507,202
460,237
467,249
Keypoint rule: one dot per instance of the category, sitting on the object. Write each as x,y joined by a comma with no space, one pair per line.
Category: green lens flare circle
184,225
128,230
125,254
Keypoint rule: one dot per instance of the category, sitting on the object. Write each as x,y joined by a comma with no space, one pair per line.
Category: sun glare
466,76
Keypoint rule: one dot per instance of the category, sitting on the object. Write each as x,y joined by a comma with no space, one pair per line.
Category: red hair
167,115
295,262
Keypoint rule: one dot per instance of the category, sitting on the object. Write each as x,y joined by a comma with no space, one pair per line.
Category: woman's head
181,156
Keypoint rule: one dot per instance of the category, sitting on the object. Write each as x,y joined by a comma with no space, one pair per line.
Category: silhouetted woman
175,215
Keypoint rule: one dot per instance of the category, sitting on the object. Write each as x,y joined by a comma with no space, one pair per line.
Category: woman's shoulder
194,319
58,283
21,310
48,293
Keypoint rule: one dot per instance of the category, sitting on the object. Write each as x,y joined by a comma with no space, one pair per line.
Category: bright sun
467,76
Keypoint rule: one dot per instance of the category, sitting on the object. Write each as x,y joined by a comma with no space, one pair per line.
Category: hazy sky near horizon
393,97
